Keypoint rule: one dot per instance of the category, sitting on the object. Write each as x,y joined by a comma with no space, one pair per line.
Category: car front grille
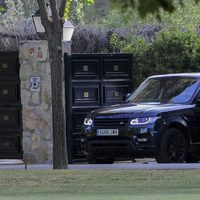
107,122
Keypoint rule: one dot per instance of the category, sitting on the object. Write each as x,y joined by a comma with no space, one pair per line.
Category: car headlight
143,120
88,121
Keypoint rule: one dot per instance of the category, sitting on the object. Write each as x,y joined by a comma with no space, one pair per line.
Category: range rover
160,119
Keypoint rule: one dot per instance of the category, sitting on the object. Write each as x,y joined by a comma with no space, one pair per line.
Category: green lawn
101,185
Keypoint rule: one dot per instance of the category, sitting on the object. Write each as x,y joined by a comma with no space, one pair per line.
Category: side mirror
126,96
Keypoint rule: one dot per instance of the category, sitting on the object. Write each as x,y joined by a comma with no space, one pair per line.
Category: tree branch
43,11
53,5
62,8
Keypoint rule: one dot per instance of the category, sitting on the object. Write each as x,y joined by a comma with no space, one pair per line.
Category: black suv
160,119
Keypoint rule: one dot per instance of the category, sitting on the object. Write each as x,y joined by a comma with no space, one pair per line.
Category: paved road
149,166
146,165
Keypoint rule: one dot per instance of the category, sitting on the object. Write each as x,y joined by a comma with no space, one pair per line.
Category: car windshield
176,90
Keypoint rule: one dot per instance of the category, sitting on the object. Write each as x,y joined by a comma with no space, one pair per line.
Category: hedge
169,52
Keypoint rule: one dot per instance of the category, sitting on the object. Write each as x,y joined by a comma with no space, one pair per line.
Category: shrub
170,52
98,40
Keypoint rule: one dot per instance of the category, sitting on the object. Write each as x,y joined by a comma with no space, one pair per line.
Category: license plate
107,132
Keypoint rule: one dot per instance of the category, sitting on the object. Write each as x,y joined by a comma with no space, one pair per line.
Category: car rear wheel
173,148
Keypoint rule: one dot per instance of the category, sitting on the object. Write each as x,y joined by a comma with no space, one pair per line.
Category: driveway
140,164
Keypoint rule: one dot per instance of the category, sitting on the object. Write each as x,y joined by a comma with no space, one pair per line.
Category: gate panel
85,94
116,68
9,118
85,69
114,93
10,107
9,144
9,64
92,81
9,91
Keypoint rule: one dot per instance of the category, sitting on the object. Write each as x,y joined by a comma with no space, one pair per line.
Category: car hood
127,110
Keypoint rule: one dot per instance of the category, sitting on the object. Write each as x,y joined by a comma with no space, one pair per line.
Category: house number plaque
35,84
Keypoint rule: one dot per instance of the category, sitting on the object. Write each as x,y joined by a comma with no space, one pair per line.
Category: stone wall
35,75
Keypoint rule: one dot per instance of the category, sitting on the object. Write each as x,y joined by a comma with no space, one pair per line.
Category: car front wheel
173,148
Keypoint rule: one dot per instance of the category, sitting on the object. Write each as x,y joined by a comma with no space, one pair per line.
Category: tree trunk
60,160
53,28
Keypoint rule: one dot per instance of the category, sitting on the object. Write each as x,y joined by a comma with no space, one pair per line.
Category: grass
100,185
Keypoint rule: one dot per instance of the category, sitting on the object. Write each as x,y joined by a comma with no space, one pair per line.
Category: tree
150,6
53,27
14,27
96,12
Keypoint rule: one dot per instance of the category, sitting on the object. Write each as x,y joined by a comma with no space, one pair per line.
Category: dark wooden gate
10,107
93,81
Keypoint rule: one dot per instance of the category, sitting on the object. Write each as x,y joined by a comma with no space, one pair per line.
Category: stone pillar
35,75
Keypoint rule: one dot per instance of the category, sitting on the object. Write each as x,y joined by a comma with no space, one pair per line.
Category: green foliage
170,52
76,13
74,10
89,2
15,9
29,6
150,6
153,6
116,42
2,9
139,48
96,12
186,17
67,9
14,24
114,19
13,14
175,48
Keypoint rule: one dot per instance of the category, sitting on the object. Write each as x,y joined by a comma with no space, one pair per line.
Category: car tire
173,148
